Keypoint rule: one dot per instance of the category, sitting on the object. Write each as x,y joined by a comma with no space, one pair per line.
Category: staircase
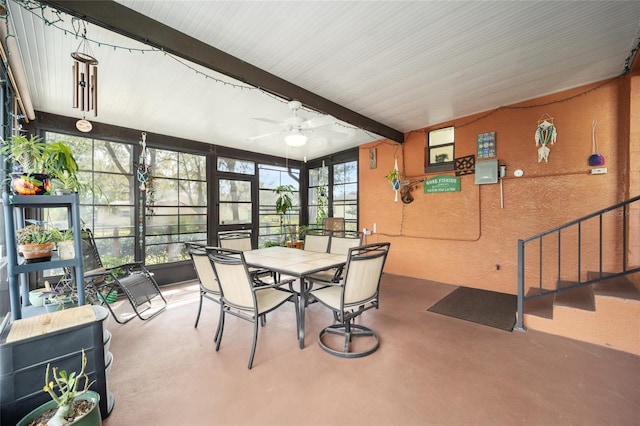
605,313
562,286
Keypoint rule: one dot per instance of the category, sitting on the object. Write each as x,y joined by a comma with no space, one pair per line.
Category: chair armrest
274,285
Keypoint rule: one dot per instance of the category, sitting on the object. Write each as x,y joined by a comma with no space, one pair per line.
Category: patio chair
316,240
333,223
340,243
209,288
353,295
132,279
241,240
240,297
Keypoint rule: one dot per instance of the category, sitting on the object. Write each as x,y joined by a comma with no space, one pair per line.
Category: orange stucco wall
460,237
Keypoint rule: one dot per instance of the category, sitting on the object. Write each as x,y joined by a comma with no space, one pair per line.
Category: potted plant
36,242
63,170
72,402
284,203
66,246
28,157
394,178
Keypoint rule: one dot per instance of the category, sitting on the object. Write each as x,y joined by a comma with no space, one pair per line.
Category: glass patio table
296,263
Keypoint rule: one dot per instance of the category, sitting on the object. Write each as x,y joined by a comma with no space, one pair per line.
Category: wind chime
85,80
143,176
545,135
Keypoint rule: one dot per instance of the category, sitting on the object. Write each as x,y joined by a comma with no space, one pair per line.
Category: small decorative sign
442,183
487,145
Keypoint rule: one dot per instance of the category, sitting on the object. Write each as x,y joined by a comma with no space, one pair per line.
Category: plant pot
30,184
108,298
57,305
36,298
36,252
66,249
91,418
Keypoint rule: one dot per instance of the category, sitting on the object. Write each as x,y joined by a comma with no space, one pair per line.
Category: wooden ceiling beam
122,20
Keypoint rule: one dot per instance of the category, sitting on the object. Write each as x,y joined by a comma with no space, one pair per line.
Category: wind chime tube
94,90
75,83
87,87
82,88
501,195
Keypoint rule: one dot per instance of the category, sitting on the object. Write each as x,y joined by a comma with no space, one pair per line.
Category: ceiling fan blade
267,120
325,120
253,138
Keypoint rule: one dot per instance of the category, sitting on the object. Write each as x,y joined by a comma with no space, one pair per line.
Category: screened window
110,210
176,204
232,165
318,195
272,226
345,193
440,150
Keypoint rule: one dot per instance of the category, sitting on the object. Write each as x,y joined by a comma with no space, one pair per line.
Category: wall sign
442,183
487,145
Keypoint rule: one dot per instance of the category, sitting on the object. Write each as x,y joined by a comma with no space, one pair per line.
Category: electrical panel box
486,172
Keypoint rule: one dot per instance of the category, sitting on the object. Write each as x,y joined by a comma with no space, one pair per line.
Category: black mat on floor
480,306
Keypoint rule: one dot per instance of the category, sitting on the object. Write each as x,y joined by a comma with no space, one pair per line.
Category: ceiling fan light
295,139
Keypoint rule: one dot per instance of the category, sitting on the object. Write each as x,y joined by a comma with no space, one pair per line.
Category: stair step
540,307
577,297
620,287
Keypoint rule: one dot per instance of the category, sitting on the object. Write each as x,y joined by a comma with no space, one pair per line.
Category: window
176,205
175,200
271,225
345,193
111,216
333,192
439,150
318,200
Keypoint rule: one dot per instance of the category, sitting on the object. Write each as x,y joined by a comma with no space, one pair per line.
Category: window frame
444,165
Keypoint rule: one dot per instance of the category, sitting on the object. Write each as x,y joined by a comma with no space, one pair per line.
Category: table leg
301,306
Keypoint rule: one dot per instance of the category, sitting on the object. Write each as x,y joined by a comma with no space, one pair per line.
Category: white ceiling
405,64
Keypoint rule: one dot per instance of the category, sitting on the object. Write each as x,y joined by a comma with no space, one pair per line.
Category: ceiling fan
295,127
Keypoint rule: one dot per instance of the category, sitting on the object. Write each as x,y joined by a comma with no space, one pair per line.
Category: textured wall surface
459,238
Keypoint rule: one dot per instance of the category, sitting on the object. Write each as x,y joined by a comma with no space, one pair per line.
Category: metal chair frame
243,241
241,298
137,284
356,293
209,287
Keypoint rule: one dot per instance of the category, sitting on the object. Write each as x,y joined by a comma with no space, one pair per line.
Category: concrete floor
429,370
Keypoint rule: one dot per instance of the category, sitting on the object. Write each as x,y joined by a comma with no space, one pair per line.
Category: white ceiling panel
407,65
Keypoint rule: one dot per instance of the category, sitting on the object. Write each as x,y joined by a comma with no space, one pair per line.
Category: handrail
583,218
577,222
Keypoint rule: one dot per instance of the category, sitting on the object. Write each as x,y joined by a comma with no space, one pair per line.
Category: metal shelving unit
14,212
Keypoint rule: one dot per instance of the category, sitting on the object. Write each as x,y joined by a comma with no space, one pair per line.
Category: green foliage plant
284,203
37,234
67,390
27,152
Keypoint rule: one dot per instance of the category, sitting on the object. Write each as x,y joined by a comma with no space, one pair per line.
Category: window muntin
440,150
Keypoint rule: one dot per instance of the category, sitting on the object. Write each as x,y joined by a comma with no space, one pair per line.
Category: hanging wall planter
394,179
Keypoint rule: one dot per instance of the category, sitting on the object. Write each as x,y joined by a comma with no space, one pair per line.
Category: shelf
14,211
36,201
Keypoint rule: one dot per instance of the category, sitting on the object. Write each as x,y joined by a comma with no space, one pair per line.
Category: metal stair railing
620,210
